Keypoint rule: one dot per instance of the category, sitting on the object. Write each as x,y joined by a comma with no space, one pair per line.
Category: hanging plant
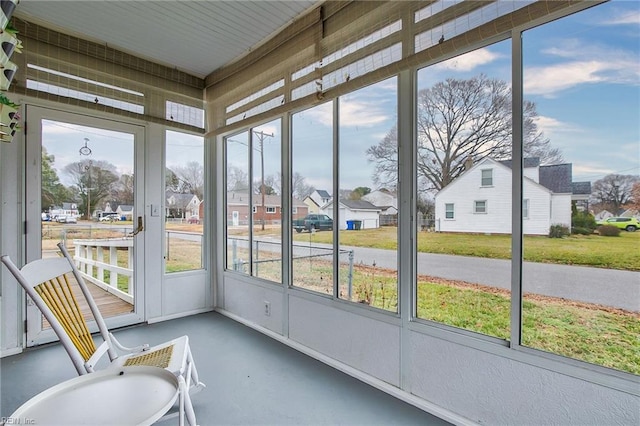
9,118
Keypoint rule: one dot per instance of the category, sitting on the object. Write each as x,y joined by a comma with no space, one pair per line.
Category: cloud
550,125
468,61
550,80
625,18
584,64
352,113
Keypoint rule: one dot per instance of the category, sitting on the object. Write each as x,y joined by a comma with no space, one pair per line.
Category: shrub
558,231
581,231
583,220
608,231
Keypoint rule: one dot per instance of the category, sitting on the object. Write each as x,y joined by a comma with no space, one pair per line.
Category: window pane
449,211
312,187
487,177
582,291
267,198
464,137
237,202
368,208
480,206
184,201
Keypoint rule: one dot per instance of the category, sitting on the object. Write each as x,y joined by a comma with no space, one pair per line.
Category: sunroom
196,130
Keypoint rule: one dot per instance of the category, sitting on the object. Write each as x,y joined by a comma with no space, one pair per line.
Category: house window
487,177
449,212
480,206
525,209
294,210
271,210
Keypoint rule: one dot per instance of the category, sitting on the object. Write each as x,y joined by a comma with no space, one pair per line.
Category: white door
78,169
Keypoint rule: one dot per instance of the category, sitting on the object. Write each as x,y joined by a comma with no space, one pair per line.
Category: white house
182,205
316,200
480,199
382,198
361,210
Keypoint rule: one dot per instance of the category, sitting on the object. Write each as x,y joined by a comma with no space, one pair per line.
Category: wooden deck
108,304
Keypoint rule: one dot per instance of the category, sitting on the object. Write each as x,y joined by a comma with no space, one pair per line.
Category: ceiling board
197,37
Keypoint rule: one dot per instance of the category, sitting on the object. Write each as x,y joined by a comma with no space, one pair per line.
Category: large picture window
312,194
368,207
253,179
464,136
590,115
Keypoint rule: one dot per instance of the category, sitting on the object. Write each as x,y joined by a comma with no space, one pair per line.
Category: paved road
608,287
614,288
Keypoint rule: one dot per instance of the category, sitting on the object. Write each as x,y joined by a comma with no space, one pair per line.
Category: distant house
67,209
126,211
182,206
480,199
316,200
630,213
271,213
360,210
388,204
603,215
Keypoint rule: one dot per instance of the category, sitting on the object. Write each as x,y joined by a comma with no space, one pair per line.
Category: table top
118,396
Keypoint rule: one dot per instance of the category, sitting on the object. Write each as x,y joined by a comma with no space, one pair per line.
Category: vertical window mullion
516,189
336,198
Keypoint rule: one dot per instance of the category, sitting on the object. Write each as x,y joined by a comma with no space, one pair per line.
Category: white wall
457,376
370,219
466,190
561,209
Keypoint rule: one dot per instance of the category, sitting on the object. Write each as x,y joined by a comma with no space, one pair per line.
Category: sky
582,72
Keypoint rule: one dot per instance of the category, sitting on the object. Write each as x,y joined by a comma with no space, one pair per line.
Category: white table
122,396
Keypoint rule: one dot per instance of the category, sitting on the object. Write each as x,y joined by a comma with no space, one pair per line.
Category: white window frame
483,178
475,207
446,211
271,210
525,208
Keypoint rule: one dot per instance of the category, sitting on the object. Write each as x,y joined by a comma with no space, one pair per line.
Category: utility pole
261,136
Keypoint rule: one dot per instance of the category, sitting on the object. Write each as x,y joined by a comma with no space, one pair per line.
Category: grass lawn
621,252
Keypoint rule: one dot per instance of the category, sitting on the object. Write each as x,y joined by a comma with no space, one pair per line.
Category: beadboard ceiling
197,37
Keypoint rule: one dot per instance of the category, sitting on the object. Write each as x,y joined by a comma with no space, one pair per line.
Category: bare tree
94,180
614,191
237,179
459,120
191,177
299,187
123,189
635,196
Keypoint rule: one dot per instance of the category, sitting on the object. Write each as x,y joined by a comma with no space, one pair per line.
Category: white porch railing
90,261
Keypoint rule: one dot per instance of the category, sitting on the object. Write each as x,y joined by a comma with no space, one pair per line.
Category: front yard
621,252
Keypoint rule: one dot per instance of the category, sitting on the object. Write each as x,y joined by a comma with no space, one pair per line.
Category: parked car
193,220
627,223
109,217
66,218
46,217
313,222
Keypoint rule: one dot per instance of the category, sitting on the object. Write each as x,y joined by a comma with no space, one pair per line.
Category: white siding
370,219
467,189
561,209
532,173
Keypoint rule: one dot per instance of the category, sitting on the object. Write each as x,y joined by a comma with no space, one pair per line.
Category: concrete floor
251,379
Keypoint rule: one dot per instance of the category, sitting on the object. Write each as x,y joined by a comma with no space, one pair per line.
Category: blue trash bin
350,225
